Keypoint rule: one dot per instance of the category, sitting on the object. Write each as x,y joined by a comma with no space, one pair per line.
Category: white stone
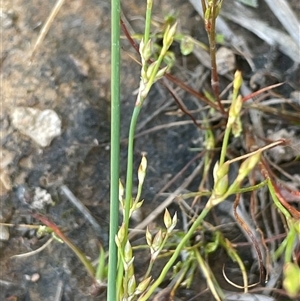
35,277
40,126
41,199
4,233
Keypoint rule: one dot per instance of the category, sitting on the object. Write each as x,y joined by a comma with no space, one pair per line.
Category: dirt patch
70,74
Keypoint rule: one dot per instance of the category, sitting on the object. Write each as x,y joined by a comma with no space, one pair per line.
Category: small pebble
40,126
4,233
7,18
35,277
41,199
32,278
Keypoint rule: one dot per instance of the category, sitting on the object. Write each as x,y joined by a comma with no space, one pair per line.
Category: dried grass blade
46,27
282,10
262,271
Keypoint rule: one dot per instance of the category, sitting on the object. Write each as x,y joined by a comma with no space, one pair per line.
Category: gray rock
40,126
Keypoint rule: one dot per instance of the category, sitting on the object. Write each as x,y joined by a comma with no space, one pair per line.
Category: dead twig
286,16
71,197
59,291
262,275
31,253
235,12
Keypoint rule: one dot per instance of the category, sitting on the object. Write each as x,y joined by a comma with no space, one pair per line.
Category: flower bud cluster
220,174
234,120
157,242
246,167
151,73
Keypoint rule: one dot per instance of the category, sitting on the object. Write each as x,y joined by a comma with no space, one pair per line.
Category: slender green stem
180,276
128,193
236,257
280,249
129,176
210,279
290,243
115,148
133,122
119,284
150,266
100,273
139,193
143,92
282,209
155,70
252,188
134,118
224,145
148,21
87,264
81,256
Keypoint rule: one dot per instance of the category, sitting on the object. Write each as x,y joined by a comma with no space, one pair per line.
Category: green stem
128,193
224,145
129,176
87,264
115,148
290,243
280,249
139,193
154,72
210,279
237,258
100,273
252,188
150,266
148,21
282,209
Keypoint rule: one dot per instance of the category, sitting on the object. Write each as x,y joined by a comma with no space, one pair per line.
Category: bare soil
70,74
